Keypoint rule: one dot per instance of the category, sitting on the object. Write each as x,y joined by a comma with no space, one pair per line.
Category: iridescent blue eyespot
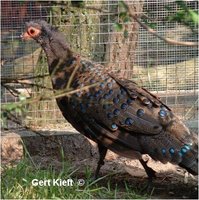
163,107
171,151
122,123
96,94
183,150
114,126
113,81
102,85
129,101
146,101
163,113
140,112
116,100
187,146
106,96
180,154
109,85
134,96
110,92
163,151
110,115
124,106
99,92
129,121
116,112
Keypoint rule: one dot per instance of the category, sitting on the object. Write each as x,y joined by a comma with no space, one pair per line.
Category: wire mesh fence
167,70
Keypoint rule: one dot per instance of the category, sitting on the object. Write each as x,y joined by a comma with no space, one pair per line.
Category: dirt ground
172,182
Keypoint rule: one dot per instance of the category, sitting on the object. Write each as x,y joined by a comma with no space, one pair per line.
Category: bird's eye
33,31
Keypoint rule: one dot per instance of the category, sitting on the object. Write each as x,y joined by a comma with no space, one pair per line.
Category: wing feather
122,104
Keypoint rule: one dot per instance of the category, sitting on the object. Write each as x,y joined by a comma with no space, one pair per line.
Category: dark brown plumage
114,112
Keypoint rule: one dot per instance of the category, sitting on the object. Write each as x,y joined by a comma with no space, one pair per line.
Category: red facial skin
30,33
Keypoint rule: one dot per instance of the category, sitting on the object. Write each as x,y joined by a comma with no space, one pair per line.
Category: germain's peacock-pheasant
114,112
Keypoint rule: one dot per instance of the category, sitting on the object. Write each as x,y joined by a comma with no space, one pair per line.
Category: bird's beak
25,36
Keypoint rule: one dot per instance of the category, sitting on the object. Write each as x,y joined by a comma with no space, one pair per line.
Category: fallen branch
9,79
57,94
24,82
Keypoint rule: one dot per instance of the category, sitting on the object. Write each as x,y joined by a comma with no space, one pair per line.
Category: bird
111,110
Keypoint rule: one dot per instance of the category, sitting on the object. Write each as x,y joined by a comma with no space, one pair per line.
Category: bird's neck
57,56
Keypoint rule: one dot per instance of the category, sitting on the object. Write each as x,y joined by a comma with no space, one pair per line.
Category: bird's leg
102,152
150,173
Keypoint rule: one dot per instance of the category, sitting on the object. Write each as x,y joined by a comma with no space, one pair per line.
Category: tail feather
166,147
190,159
190,165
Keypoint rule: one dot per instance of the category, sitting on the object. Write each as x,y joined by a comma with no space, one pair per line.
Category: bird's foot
149,171
151,176
149,187
100,164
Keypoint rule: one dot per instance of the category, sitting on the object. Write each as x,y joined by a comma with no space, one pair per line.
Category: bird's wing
122,104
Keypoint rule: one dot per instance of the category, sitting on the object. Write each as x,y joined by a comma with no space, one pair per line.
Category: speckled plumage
120,112
117,113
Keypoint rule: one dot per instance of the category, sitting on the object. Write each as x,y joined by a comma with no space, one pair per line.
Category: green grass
17,184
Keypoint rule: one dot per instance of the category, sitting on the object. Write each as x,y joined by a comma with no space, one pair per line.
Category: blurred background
170,71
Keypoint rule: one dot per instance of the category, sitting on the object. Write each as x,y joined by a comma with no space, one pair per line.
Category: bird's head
51,40
39,30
